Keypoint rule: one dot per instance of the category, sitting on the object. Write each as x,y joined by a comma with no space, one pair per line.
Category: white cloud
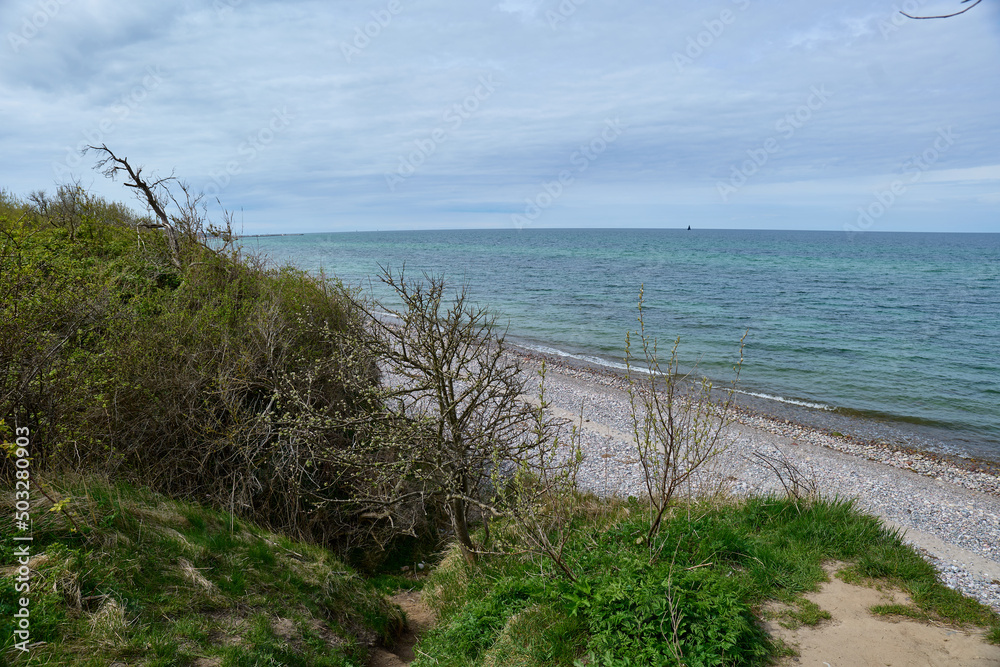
525,9
970,175
225,73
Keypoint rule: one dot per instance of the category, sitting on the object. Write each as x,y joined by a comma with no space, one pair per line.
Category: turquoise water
895,330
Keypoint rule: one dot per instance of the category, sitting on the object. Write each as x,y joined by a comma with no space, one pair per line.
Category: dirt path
855,637
419,619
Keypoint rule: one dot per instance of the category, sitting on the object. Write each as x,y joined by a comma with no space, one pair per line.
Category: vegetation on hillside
154,354
139,348
121,362
153,581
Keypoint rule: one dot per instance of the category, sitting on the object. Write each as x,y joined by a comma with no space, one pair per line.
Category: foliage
155,581
120,359
807,613
539,501
694,603
677,420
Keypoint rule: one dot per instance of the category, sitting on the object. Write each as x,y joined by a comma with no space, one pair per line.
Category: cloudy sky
420,114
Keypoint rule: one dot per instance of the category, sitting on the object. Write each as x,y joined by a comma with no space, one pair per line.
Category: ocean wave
597,361
385,316
790,401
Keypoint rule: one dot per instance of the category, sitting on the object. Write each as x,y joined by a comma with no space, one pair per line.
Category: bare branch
943,16
448,426
796,484
678,424
111,165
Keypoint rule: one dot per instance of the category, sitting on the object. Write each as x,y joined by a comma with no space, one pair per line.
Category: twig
943,16
695,567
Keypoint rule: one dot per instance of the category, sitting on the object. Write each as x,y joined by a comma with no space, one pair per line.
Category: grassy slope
711,567
153,581
125,367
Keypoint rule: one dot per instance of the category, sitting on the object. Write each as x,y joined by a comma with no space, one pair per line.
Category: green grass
392,583
807,613
158,582
694,596
906,610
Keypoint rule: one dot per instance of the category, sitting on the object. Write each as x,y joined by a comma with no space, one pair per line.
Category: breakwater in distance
891,336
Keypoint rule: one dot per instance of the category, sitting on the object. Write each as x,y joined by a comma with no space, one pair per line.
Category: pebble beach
948,509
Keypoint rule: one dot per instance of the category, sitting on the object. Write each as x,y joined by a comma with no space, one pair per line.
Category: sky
309,116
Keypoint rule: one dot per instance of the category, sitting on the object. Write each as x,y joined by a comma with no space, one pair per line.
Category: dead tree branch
943,16
111,166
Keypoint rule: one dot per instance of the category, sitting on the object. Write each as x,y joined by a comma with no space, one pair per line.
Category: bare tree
447,367
152,193
448,425
187,225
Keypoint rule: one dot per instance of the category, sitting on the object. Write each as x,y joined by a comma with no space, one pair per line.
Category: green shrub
123,363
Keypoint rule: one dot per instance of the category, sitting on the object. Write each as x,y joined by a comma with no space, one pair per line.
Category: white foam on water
790,401
582,357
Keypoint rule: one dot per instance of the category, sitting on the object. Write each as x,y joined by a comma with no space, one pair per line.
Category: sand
854,637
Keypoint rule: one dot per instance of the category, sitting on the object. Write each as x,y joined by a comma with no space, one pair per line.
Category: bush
120,362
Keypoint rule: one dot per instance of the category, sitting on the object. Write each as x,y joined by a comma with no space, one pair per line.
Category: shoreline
897,432
974,473
948,510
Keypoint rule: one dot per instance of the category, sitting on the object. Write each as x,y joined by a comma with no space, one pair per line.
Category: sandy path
856,638
419,619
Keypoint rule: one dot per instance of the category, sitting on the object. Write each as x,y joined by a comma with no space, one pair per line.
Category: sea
882,336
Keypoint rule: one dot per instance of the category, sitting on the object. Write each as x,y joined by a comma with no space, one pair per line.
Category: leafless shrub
446,431
677,420
797,485
540,500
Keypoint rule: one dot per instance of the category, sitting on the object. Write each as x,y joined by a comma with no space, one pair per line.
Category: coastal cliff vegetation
165,364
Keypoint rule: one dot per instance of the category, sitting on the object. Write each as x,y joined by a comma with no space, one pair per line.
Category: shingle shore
958,503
